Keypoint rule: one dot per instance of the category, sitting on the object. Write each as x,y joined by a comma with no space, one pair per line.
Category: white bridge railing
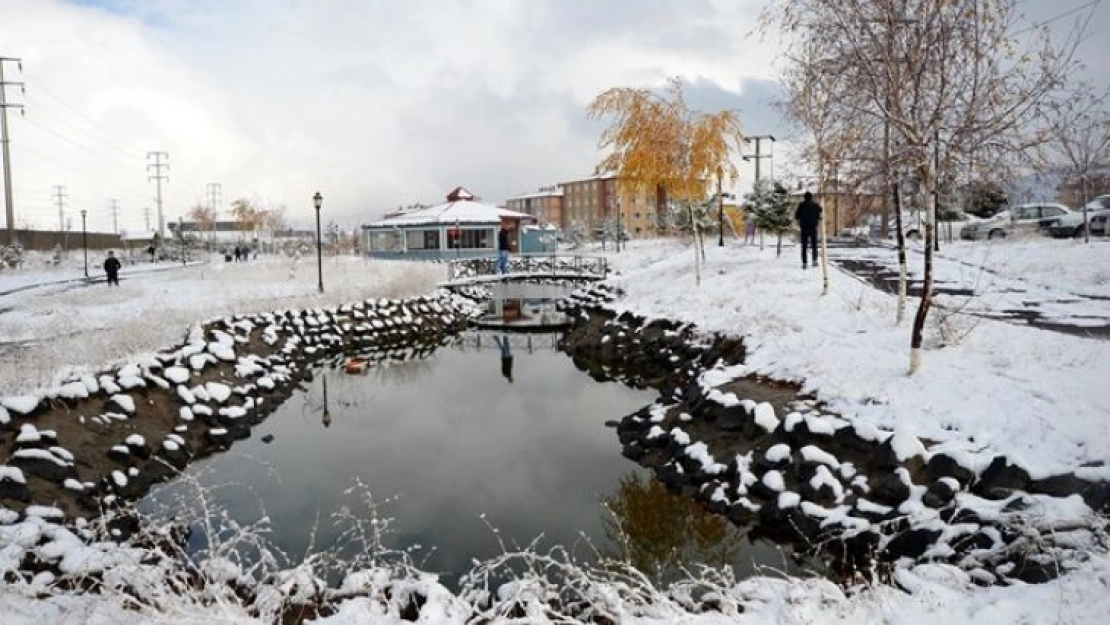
556,265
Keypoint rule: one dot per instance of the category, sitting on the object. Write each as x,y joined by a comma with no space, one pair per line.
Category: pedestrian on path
749,228
808,215
111,267
503,249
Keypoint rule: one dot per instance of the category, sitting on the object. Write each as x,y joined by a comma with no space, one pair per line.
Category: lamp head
317,200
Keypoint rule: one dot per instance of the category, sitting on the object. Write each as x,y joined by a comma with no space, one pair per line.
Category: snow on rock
73,484
789,499
40,454
221,351
21,404
778,453
699,452
764,416
119,478
73,390
813,453
44,512
233,412
906,445
128,382
774,481
123,402
680,437
11,474
724,399
109,384
186,395
177,374
823,477
28,434
218,391
135,440
185,413
5,418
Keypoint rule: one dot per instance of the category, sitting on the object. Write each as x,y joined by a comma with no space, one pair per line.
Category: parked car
1024,218
1098,224
1071,224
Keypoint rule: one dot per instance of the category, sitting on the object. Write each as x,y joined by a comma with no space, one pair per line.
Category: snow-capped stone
135,440
21,404
764,416
73,390
813,453
789,499
218,391
774,481
11,474
123,402
778,453
185,413
906,446
177,374
119,478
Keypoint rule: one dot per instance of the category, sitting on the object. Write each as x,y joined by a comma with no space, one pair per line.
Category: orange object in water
357,365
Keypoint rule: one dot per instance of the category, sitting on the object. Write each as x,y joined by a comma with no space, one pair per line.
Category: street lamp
720,211
85,241
318,201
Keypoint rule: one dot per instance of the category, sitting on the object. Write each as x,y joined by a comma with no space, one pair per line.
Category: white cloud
375,104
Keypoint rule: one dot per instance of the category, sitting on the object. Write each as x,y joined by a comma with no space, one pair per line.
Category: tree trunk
916,337
697,259
903,273
824,261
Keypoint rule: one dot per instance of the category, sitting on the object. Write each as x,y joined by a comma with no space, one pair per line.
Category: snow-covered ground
987,387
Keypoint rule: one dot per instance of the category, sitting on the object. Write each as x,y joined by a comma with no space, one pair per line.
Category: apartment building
546,205
591,202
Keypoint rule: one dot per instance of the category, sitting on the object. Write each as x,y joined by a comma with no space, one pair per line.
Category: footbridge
526,267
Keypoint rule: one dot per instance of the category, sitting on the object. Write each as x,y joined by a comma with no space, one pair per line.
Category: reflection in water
506,356
660,532
326,418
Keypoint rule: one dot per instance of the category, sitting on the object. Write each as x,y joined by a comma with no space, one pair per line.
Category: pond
495,437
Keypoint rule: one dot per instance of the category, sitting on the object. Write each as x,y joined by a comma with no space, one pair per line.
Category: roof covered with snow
460,208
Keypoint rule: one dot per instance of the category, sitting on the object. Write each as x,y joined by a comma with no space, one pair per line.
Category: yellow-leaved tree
655,142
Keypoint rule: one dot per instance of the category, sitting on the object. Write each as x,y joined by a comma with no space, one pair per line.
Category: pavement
999,297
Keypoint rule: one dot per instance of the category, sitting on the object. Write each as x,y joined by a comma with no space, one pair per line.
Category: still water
496,437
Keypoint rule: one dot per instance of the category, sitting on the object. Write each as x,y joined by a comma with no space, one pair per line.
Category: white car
1019,219
1071,224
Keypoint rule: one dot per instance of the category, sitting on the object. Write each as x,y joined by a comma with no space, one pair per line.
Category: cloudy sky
373,103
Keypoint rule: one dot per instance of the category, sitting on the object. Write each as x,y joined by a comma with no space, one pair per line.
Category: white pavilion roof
460,211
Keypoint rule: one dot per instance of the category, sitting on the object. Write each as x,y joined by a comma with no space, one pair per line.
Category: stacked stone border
797,473
145,421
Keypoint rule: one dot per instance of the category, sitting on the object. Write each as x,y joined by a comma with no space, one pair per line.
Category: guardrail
556,265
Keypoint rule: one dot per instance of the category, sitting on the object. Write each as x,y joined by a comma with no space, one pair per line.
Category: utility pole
157,166
759,155
9,208
146,216
214,191
60,201
113,205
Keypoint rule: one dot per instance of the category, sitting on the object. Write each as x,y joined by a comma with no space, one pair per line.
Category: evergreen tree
770,206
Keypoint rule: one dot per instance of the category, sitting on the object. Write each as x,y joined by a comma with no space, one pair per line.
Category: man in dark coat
503,249
808,215
111,267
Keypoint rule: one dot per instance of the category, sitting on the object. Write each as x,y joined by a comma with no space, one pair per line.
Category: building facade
598,203
546,205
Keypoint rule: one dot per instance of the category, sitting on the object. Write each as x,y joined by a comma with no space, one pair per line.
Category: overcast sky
373,103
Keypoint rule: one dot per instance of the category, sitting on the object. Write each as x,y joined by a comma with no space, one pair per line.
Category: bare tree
963,72
1079,127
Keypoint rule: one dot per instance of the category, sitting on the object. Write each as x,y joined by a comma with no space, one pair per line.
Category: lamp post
619,231
720,211
85,241
318,201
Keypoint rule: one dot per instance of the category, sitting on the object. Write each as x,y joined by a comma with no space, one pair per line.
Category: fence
556,265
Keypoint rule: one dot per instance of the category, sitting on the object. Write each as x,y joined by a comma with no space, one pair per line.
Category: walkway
977,290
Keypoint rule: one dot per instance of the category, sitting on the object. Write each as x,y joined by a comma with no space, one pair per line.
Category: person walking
808,215
503,249
749,228
111,267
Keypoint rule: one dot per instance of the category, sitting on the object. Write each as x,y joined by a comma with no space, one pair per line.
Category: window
422,239
385,241
1051,211
469,238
